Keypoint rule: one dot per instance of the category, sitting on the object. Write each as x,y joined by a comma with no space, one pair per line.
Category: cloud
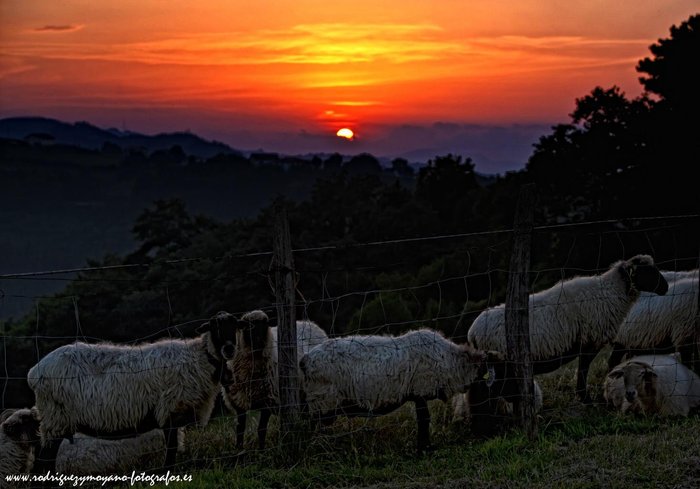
364,54
58,28
311,44
10,66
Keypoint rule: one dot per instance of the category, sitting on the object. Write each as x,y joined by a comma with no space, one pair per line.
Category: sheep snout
228,350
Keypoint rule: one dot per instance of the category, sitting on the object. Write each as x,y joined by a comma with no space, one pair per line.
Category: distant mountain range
86,135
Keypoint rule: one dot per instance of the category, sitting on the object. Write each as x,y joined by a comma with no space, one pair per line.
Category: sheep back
109,388
584,310
377,374
655,321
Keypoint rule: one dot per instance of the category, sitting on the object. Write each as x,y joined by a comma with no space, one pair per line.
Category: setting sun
345,133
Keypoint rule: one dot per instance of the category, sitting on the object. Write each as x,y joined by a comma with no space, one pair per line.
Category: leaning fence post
283,266
517,324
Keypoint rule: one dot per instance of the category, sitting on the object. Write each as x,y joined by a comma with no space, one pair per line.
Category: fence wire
369,324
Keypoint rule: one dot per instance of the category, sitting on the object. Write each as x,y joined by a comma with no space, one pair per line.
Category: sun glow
345,133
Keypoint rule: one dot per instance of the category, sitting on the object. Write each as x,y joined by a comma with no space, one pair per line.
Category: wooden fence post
695,363
283,266
517,324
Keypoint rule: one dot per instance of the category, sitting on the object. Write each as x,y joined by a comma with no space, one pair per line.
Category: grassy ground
577,447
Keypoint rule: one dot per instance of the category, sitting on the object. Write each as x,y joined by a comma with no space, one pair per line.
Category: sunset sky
284,75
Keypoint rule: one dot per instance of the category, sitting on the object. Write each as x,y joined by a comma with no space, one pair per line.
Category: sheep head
641,274
255,326
222,329
22,425
639,387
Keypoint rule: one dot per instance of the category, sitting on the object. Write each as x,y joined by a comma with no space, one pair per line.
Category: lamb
96,456
374,375
660,324
87,455
254,383
19,435
114,390
653,384
574,318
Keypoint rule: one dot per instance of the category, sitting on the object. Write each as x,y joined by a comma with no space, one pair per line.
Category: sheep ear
12,430
616,374
6,414
203,328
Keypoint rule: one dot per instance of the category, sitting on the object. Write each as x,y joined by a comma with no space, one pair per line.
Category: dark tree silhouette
673,72
401,168
363,164
166,227
447,185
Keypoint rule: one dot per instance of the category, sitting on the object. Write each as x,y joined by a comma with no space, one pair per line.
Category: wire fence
369,311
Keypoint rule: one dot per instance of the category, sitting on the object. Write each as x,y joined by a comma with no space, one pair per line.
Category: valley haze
495,149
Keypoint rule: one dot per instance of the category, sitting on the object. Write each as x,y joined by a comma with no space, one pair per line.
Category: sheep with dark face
253,371
19,436
575,318
374,375
115,390
653,384
660,324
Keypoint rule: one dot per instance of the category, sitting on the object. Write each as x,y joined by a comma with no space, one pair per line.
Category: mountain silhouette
86,135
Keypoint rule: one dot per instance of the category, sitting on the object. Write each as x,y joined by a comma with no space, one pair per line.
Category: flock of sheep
105,408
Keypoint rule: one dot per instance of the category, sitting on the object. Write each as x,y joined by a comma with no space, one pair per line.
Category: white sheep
113,390
374,375
19,435
96,456
657,324
461,409
574,318
653,384
253,369
673,275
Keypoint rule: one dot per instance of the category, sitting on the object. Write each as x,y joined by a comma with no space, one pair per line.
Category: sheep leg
171,445
262,427
686,350
45,460
241,417
423,420
584,362
616,356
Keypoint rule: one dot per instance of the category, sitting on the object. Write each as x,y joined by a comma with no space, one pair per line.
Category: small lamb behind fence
253,369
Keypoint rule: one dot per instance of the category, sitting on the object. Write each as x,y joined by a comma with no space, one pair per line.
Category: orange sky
231,68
